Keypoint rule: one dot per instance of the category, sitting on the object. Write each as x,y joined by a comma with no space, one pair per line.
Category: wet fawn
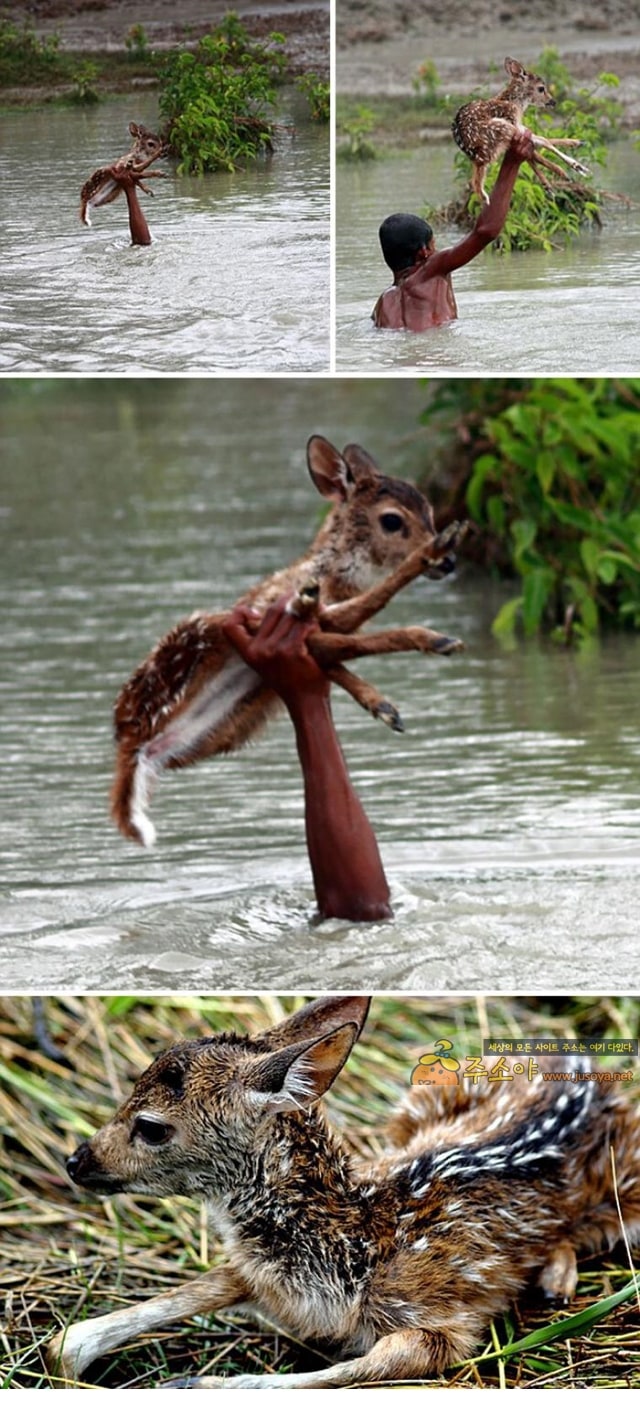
102,187
484,129
194,697
399,1263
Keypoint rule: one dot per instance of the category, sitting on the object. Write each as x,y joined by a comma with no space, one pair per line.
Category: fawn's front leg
76,1347
330,648
408,1354
350,615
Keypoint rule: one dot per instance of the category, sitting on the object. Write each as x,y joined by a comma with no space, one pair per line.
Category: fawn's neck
342,559
300,1205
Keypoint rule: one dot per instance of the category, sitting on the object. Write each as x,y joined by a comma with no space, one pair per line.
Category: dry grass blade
62,1257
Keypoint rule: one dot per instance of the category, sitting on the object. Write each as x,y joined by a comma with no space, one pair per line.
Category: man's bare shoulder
416,304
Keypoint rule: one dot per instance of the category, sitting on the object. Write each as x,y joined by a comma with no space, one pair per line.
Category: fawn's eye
391,521
151,1131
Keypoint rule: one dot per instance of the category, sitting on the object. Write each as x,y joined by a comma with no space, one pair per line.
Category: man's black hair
401,237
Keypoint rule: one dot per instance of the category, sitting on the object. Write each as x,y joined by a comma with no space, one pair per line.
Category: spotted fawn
194,697
485,128
398,1263
102,187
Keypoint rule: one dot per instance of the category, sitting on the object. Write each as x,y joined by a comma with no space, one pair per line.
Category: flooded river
507,813
569,311
237,277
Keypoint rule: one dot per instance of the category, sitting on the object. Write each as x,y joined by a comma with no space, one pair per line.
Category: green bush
426,83
318,95
137,44
218,100
357,146
84,78
24,58
560,488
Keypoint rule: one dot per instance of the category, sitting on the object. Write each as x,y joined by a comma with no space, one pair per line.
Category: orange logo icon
437,1068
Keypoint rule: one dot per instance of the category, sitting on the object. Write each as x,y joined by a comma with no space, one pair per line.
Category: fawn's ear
295,1076
316,1019
360,461
513,68
334,474
329,472
133,129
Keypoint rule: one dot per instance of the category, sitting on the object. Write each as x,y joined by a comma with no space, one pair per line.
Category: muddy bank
381,43
99,27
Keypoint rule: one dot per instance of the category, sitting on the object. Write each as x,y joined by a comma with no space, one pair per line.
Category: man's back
416,302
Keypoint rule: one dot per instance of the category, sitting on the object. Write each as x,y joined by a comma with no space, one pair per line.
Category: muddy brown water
507,813
236,279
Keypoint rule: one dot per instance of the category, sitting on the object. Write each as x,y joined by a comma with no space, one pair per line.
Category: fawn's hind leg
331,649
477,182
367,696
559,1278
408,1354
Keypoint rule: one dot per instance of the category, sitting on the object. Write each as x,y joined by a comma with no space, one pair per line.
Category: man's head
404,238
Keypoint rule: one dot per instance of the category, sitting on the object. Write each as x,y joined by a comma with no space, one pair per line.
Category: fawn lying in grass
194,697
398,1264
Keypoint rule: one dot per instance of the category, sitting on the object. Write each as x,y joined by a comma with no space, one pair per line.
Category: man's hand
522,146
276,647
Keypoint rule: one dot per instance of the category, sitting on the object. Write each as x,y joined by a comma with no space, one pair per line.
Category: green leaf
545,468
607,569
578,1323
590,552
504,624
483,469
538,585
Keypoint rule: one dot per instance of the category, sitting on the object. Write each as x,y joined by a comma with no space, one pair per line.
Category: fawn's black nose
80,1163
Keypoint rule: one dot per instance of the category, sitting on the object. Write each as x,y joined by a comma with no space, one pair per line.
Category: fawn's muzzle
86,1172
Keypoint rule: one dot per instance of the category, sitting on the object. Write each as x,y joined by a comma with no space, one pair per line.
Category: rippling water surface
572,310
507,813
237,277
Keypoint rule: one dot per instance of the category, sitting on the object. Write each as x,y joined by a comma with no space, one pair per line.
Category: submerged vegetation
61,1259
549,474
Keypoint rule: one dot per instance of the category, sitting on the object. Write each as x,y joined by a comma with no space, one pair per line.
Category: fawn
102,187
194,697
484,129
399,1262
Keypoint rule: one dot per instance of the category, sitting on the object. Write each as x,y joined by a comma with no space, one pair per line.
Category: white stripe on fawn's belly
209,708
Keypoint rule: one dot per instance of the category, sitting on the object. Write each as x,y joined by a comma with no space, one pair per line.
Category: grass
62,1258
398,120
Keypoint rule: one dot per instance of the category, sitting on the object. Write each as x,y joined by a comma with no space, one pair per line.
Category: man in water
422,295
348,876
138,226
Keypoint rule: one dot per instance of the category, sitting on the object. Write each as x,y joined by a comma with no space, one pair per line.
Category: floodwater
573,310
237,277
507,813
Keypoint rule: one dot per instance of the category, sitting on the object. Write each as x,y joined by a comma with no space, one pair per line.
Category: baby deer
102,187
485,128
194,697
397,1263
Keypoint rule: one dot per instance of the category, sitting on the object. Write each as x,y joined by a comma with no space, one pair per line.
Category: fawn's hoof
447,645
391,717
